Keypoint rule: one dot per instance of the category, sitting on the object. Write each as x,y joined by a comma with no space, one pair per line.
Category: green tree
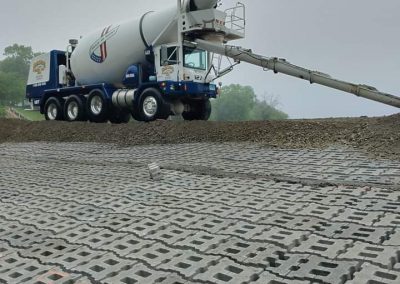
12,88
2,111
17,59
234,104
264,110
14,70
240,103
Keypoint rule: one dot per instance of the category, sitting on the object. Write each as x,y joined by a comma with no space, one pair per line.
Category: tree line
14,70
236,102
240,103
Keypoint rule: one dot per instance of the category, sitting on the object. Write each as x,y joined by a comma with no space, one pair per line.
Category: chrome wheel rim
96,105
150,106
52,111
73,110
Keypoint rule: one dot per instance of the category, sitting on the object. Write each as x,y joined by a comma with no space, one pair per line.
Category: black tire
152,106
135,114
199,110
54,109
75,109
118,116
97,107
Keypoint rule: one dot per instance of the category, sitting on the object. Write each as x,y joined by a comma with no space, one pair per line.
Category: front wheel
96,107
53,109
152,106
198,110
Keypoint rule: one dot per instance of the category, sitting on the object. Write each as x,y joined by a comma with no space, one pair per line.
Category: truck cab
195,66
46,72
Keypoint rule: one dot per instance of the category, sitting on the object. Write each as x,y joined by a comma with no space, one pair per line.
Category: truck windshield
195,58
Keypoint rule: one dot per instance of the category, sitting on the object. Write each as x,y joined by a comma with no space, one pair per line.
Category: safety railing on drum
236,18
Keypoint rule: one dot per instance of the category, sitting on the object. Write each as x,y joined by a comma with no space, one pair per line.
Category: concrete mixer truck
161,64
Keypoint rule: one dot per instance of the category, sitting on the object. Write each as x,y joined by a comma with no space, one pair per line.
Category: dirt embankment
378,136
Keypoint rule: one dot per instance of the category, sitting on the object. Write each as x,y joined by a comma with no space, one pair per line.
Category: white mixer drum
104,56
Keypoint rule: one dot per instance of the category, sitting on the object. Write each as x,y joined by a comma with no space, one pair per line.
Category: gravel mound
378,136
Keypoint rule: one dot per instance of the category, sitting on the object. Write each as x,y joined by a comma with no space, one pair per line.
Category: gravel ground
222,213
377,136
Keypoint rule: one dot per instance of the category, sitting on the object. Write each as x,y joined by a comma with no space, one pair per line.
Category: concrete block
222,210
282,237
26,271
99,238
324,270
189,263
252,202
382,193
203,241
357,216
252,215
159,213
269,278
49,250
370,273
244,229
171,234
393,239
129,244
227,271
156,254
320,211
143,227
212,224
329,248
77,257
285,206
5,249
115,221
155,171
362,233
57,276
184,218
172,278
381,255
283,264
103,266
389,219
137,273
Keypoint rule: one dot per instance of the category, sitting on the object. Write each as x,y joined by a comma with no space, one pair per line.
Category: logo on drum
98,50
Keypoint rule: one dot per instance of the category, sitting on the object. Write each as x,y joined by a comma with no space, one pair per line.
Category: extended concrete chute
279,65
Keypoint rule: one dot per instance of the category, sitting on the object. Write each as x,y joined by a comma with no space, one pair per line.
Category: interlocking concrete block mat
222,213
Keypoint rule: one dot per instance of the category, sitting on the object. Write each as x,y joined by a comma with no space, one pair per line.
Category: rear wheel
198,110
152,106
96,107
74,109
53,109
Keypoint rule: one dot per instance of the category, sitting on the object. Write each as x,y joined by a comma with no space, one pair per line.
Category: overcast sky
355,40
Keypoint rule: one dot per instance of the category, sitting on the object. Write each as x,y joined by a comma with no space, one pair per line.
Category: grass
32,115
